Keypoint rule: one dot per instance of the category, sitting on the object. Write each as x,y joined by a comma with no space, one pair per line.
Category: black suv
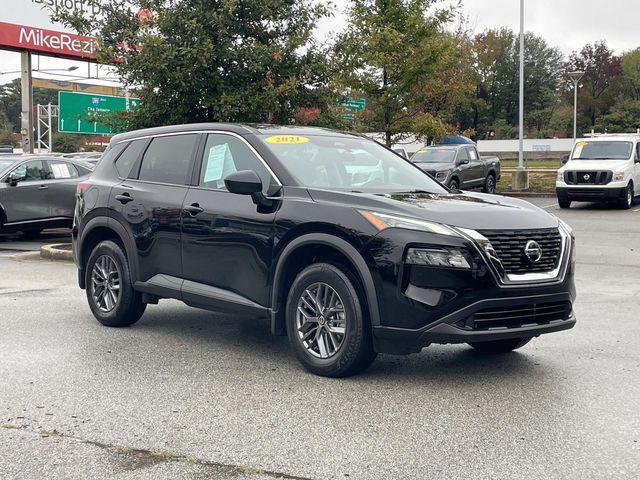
347,247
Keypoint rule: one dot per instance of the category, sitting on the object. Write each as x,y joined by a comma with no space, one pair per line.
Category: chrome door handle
193,209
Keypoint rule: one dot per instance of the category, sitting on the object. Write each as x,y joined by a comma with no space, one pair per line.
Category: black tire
129,306
626,202
454,185
489,184
355,350
564,202
500,346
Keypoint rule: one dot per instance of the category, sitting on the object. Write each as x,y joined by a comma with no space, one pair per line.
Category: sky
567,24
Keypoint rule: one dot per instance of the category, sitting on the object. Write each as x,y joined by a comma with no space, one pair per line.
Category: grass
532,163
538,182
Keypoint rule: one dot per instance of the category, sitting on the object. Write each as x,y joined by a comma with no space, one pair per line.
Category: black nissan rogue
348,248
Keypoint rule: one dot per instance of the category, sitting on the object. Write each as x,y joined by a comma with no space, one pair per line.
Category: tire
128,306
564,202
454,185
489,184
329,353
627,201
500,346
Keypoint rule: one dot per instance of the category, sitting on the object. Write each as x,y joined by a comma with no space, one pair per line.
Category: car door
227,240
25,200
61,194
475,170
149,201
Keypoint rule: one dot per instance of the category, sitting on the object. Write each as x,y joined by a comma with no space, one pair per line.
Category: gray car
459,166
38,192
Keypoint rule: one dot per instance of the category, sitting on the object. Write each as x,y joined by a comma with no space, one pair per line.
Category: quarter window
167,160
226,154
129,157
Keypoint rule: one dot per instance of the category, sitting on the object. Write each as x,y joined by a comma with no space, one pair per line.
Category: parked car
38,192
459,166
268,221
6,149
89,157
603,168
401,151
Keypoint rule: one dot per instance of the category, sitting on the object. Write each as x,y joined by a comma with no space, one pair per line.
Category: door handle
124,198
193,209
43,187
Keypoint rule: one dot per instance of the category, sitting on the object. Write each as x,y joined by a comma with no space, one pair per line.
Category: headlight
382,221
442,176
617,177
438,257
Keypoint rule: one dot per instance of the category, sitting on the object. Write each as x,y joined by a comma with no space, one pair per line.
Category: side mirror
244,182
247,182
463,161
565,158
14,179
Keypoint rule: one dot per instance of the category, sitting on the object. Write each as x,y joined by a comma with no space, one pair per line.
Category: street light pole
26,117
575,76
520,178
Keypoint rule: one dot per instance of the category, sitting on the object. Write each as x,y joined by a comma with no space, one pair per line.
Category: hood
437,167
593,165
477,211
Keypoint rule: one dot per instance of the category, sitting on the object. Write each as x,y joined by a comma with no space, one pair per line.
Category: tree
11,102
600,82
391,54
205,60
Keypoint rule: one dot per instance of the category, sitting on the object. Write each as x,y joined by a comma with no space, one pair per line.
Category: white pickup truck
601,168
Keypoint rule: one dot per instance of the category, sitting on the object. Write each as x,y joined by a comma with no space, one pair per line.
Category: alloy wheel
321,320
105,283
491,184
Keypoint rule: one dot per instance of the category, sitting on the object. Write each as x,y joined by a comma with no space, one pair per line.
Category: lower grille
510,245
588,178
517,317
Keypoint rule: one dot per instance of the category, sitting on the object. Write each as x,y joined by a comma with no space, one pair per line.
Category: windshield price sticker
287,139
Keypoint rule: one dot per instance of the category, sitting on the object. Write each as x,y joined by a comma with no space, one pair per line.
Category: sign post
81,112
26,116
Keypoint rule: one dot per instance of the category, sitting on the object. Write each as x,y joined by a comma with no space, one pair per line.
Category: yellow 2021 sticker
582,144
287,139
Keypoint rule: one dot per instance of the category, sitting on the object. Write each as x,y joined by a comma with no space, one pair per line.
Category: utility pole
26,119
575,76
520,179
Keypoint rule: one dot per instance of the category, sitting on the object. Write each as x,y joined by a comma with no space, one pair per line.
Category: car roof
621,137
445,147
239,128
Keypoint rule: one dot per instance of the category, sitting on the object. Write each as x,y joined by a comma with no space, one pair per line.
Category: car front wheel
110,293
326,324
627,201
500,346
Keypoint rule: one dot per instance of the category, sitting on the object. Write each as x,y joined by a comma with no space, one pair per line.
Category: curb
58,251
528,194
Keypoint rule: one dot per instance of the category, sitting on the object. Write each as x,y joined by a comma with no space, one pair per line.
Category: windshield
352,164
4,164
613,150
434,155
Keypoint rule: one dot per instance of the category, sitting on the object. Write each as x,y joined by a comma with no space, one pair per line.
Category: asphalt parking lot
190,394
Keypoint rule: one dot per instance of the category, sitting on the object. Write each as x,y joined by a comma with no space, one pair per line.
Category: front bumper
420,305
591,194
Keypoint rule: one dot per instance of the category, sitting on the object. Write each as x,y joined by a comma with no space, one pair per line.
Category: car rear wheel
490,184
327,327
564,203
500,346
110,293
627,201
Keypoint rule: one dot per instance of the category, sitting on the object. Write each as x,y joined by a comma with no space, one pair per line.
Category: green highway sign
79,111
352,107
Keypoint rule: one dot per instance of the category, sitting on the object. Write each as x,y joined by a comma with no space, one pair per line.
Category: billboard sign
81,112
27,26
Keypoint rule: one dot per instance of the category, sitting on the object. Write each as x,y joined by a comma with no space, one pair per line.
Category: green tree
11,102
600,83
213,60
391,54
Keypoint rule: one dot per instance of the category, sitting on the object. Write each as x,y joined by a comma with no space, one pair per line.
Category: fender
121,231
347,250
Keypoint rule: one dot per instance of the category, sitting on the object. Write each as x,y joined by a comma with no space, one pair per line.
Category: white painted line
637,210
549,206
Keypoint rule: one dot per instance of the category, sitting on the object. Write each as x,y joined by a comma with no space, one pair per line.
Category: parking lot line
549,206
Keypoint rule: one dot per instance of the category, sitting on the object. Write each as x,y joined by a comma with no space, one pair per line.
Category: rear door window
61,170
168,159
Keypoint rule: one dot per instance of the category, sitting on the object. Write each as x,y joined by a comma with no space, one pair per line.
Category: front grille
594,193
517,317
431,172
510,244
587,178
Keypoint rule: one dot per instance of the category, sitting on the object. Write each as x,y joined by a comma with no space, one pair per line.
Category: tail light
82,187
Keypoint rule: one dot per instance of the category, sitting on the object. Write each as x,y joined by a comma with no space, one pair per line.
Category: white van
601,168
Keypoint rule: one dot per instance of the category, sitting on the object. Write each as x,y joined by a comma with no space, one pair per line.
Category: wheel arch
97,230
300,253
